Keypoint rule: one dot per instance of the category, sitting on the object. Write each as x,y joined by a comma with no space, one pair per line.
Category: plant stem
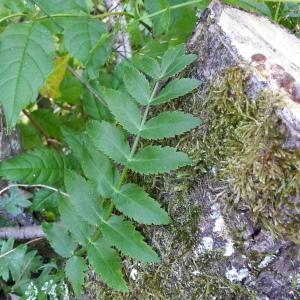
133,149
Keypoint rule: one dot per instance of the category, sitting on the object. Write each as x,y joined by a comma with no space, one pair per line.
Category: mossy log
236,214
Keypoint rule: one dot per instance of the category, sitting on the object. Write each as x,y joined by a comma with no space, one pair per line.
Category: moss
244,141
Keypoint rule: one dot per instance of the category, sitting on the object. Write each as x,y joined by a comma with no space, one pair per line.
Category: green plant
88,219
58,69
85,122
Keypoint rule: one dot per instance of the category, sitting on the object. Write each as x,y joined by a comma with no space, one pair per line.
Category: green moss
244,141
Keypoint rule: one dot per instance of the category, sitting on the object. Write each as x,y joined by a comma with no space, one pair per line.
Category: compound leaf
136,84
156,159
168,124
107,264
175,89
123,235
27,58
60,239
135,203
84,198
124,109
110,140
41,166
75,272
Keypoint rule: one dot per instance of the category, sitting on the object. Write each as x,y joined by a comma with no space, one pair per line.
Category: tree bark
10,143
122,42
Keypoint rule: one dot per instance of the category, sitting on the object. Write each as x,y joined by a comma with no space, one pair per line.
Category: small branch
33,186
22,233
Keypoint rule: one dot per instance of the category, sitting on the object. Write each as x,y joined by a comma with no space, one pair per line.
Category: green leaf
59,239
44,199
19,263
27,58
51,87
94,108
155,159
99,55
96,166
174,60
63,6
30,137
41,166
168,124
135,203
107,264
136,84
49,121
175,89
123,235
82,36
148,65
75,272
79,228
15,203
161,22
84,198
71,90
110,140
8,7
124,109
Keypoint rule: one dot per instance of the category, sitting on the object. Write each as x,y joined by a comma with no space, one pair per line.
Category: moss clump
244,142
